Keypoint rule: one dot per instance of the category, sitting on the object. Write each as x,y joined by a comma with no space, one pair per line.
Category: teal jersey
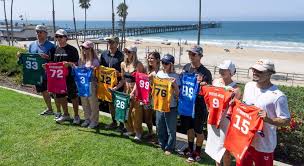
33,72
121,104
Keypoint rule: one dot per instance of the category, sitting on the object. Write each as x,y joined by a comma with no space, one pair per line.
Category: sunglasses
192,53
59,36
165,63
127,52
38,32
85,48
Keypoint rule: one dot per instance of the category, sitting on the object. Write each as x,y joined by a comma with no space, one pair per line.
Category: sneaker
167,153
127,134
47,112
63,118
111,126
137,137
93,125
76,120
186,152
57,115
85,123
195,157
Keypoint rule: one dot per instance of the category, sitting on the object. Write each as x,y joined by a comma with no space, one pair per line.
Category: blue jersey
187,95
83,79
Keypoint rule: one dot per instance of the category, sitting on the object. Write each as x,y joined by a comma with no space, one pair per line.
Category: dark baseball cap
168,58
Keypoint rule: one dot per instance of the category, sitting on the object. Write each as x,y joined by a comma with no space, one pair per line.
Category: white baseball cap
228,64
61,32
131,48
264,65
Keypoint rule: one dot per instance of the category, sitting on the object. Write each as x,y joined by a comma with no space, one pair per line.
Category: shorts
42,87
256,157
71,89
200,117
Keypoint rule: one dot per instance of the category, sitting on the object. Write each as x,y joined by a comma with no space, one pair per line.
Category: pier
138,31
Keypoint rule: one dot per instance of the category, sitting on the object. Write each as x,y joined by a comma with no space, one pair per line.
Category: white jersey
216,136
274,102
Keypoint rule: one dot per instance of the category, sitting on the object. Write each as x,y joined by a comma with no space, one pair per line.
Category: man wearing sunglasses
274,111
65,52
44,48
194,126
113,58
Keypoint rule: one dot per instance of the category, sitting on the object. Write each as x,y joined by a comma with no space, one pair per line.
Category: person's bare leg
47,100
227,159
75,103
58,105
64,103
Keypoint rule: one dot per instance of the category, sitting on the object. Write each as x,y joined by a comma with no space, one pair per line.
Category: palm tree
113,18
54,26
74,20
6,23
199,23
85,4
12,34
122,12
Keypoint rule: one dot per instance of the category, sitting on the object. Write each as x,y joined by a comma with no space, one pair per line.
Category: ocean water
266,35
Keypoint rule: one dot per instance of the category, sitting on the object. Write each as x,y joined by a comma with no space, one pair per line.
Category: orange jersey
106,78
217,100
161,94
244,123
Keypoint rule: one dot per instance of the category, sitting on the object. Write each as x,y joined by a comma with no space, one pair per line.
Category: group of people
260,93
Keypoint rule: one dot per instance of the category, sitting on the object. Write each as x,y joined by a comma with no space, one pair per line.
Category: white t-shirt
161,74
274,102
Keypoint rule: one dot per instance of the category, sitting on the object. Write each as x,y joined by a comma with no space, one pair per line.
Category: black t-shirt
200,106
68,54
112,61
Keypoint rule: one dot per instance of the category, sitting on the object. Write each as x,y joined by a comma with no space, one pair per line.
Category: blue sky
162,10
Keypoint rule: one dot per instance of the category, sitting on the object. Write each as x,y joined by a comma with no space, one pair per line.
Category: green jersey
33,72
121,104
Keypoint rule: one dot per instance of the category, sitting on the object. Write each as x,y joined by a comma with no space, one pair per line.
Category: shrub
8,60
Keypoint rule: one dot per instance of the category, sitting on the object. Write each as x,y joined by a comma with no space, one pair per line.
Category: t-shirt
244,123
200,106
106,78
161,94
274,102
33,71
143,87
47,47
217,100
83,79
187,95
121,103
56,77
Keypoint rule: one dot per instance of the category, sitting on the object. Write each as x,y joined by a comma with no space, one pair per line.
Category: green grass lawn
27,138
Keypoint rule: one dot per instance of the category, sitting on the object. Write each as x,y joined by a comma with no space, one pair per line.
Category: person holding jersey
166,121
194,126
216,136
65,52
129,66
89,59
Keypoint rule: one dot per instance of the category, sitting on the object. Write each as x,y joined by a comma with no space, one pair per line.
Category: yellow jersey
106,78
161,94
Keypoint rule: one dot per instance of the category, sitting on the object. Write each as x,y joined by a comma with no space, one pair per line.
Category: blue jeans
166,129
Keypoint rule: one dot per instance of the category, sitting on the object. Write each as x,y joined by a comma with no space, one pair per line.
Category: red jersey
143,87
217,100
244,123
56,77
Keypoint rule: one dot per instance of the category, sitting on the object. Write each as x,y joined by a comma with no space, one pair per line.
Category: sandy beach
289,62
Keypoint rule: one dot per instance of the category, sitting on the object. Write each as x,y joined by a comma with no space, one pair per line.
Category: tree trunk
6,23
199,23
74,21
12,33
85,23
113,18
54,26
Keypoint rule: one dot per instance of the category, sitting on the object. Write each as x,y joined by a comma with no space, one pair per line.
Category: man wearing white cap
273,103
44,48
66,53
